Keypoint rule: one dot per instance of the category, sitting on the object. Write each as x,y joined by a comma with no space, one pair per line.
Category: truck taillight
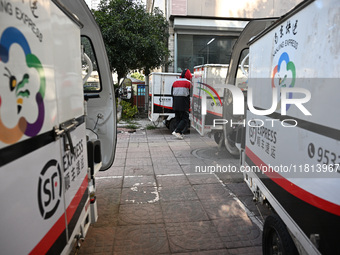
92,197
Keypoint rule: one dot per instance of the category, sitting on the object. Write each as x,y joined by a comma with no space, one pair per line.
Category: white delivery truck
160,98
290,137
56,129
207,99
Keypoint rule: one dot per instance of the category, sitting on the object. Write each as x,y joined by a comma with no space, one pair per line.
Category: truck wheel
218,137
276,239
172,125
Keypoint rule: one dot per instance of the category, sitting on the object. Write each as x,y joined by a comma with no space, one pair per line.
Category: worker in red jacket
180,92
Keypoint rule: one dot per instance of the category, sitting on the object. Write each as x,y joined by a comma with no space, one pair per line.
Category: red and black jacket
181,92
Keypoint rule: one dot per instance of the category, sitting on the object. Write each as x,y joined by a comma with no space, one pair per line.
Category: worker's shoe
178,135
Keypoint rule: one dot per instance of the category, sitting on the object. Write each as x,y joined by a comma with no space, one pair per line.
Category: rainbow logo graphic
283,80
209,93
10,36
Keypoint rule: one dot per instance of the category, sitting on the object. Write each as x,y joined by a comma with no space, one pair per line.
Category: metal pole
146,103
208,49
175,53
208,55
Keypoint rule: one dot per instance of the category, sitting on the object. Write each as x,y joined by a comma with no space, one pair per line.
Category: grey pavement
159,198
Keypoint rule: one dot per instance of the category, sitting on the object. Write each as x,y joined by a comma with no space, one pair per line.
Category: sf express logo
257,130
49,189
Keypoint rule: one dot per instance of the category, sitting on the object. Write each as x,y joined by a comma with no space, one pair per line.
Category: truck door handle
70,143
64,131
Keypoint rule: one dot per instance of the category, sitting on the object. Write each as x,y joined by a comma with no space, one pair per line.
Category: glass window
242,71
194,50
89,62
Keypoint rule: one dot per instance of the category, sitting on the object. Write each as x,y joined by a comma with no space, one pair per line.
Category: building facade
93,4
204,31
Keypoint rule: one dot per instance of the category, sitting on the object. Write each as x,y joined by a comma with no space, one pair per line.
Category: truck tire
276,239
219,139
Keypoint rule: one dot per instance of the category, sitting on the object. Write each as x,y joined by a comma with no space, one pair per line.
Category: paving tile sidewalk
151,201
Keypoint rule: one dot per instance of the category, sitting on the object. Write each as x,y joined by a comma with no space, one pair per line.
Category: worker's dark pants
182,119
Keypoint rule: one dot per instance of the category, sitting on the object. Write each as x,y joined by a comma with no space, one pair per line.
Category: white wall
232,8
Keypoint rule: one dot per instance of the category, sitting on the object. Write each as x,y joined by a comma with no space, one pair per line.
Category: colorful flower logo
284,77
9,37
210,94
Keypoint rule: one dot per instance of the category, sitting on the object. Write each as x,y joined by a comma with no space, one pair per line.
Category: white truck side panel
20,40
68,82
314,59
197,119
160,103
45,190
303,166
21,218
303,150
208,83
37,199
76,183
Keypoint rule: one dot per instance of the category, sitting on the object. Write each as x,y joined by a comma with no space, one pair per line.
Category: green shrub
150,127
129,111
131,122
131,126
